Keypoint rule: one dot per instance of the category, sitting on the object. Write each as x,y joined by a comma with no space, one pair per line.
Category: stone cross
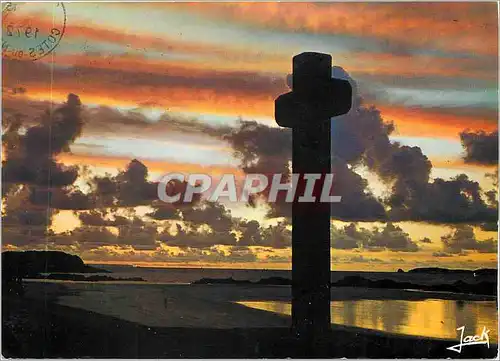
307,109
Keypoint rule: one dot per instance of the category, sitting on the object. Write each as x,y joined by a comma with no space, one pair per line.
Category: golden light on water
427,318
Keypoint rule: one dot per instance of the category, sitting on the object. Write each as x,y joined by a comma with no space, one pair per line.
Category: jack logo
469,340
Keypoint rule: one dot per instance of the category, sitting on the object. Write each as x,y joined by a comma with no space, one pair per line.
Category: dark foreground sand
39,327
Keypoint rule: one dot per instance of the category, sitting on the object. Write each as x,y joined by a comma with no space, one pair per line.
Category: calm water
429,318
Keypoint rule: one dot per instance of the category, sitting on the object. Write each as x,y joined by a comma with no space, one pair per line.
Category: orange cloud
432,123
234,57
181,88
153,166
408,121
449,26
230,57
408,65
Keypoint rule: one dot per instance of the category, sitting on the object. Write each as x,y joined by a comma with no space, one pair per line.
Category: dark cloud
96,231
209,224
266,150
138,234
251,233
95,217
104,120
277,236
349,237
131,187
393,238
463,239
361,137
86,237
110,218
164,211
30,156
425,240
65,198
213,214
22,222
192,238
480,147
454,201
390,237
413,195
45,186
358,203
205,225
260,148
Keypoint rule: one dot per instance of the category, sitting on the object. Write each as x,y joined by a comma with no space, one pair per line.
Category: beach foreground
37,326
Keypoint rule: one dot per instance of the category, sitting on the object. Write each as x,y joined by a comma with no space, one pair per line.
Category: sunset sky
190,88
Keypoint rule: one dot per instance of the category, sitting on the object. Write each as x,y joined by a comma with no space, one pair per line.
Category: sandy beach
217,306
156,315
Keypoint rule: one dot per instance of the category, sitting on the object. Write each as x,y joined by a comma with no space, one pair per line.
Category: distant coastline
55,265
434,270
481,287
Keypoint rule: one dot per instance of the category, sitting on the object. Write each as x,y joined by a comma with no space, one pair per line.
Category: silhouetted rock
437,270
486,272
27,264
481,288
400,271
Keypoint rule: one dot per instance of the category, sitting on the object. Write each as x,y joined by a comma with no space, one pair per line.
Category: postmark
31,31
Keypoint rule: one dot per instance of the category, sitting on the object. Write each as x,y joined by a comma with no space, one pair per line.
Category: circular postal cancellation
33,30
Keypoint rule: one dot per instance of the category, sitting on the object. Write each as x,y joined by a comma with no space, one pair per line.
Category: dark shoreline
82,278
481,288
46,329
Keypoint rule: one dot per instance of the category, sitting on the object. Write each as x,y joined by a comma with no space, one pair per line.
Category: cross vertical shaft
311,240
